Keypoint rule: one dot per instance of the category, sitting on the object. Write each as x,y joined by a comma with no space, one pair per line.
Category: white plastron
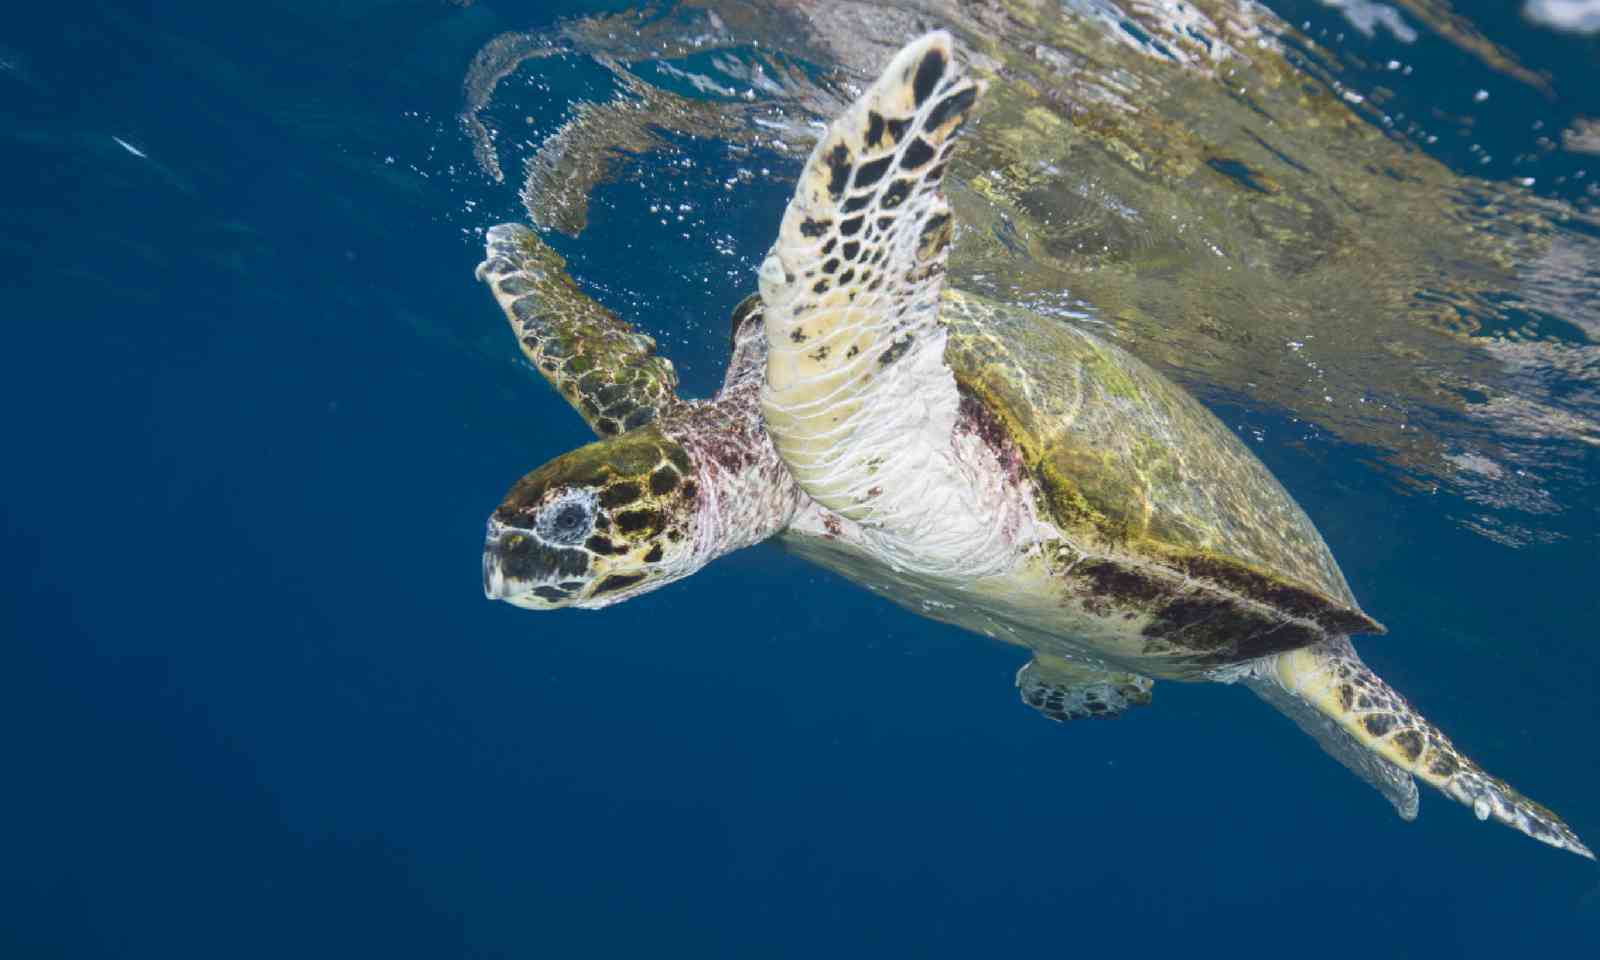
858,399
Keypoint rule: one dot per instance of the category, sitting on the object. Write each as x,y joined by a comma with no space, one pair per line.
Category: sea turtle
974,462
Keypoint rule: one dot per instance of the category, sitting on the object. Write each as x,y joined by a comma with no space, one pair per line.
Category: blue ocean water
255,704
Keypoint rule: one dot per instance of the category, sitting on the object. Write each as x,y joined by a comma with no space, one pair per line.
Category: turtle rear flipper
1329,678
607,370
1062,690
1392,781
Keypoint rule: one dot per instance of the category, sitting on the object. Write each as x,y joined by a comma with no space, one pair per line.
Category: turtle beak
523,571
497,585
494,581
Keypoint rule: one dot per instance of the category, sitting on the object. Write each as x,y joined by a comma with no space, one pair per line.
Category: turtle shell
1155,494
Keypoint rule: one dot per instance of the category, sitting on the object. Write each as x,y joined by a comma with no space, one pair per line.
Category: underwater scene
1031,655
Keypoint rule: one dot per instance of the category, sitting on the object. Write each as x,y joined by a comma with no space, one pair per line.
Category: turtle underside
1179,554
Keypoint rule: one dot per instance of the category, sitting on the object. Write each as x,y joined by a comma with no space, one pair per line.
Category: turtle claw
1490,797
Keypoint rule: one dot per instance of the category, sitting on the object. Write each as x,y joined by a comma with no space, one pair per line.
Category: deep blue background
253,701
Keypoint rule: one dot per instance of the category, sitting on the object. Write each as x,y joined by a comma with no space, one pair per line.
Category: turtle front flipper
857,397
1331,679
1063,690
607,370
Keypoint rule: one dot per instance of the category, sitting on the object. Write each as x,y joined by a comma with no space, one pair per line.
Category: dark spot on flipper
1443,765
820,354
917,154
587,385
1347,696
852,351
846,277
929,72
827,248
839,164
851,249
851,227
856,203
821,286
654,556
1378,724
898,127
932,176
525,308
895,195
831,265
935,234
874,128
608,394
1410,742
552,594
870,173
798,335
895,350
515,286
814,228
950,106
617,582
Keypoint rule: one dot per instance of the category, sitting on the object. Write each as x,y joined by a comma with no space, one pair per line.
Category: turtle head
603,523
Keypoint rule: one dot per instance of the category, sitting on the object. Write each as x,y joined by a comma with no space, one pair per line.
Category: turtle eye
566,522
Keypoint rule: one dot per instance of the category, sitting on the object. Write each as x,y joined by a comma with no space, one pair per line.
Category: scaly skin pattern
747,494
1334,679
608,371
857,398
608,520
632,513
1062,690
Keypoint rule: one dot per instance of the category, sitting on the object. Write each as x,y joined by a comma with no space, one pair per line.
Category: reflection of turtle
975,463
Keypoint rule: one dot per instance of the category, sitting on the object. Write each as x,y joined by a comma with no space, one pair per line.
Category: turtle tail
1330,678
